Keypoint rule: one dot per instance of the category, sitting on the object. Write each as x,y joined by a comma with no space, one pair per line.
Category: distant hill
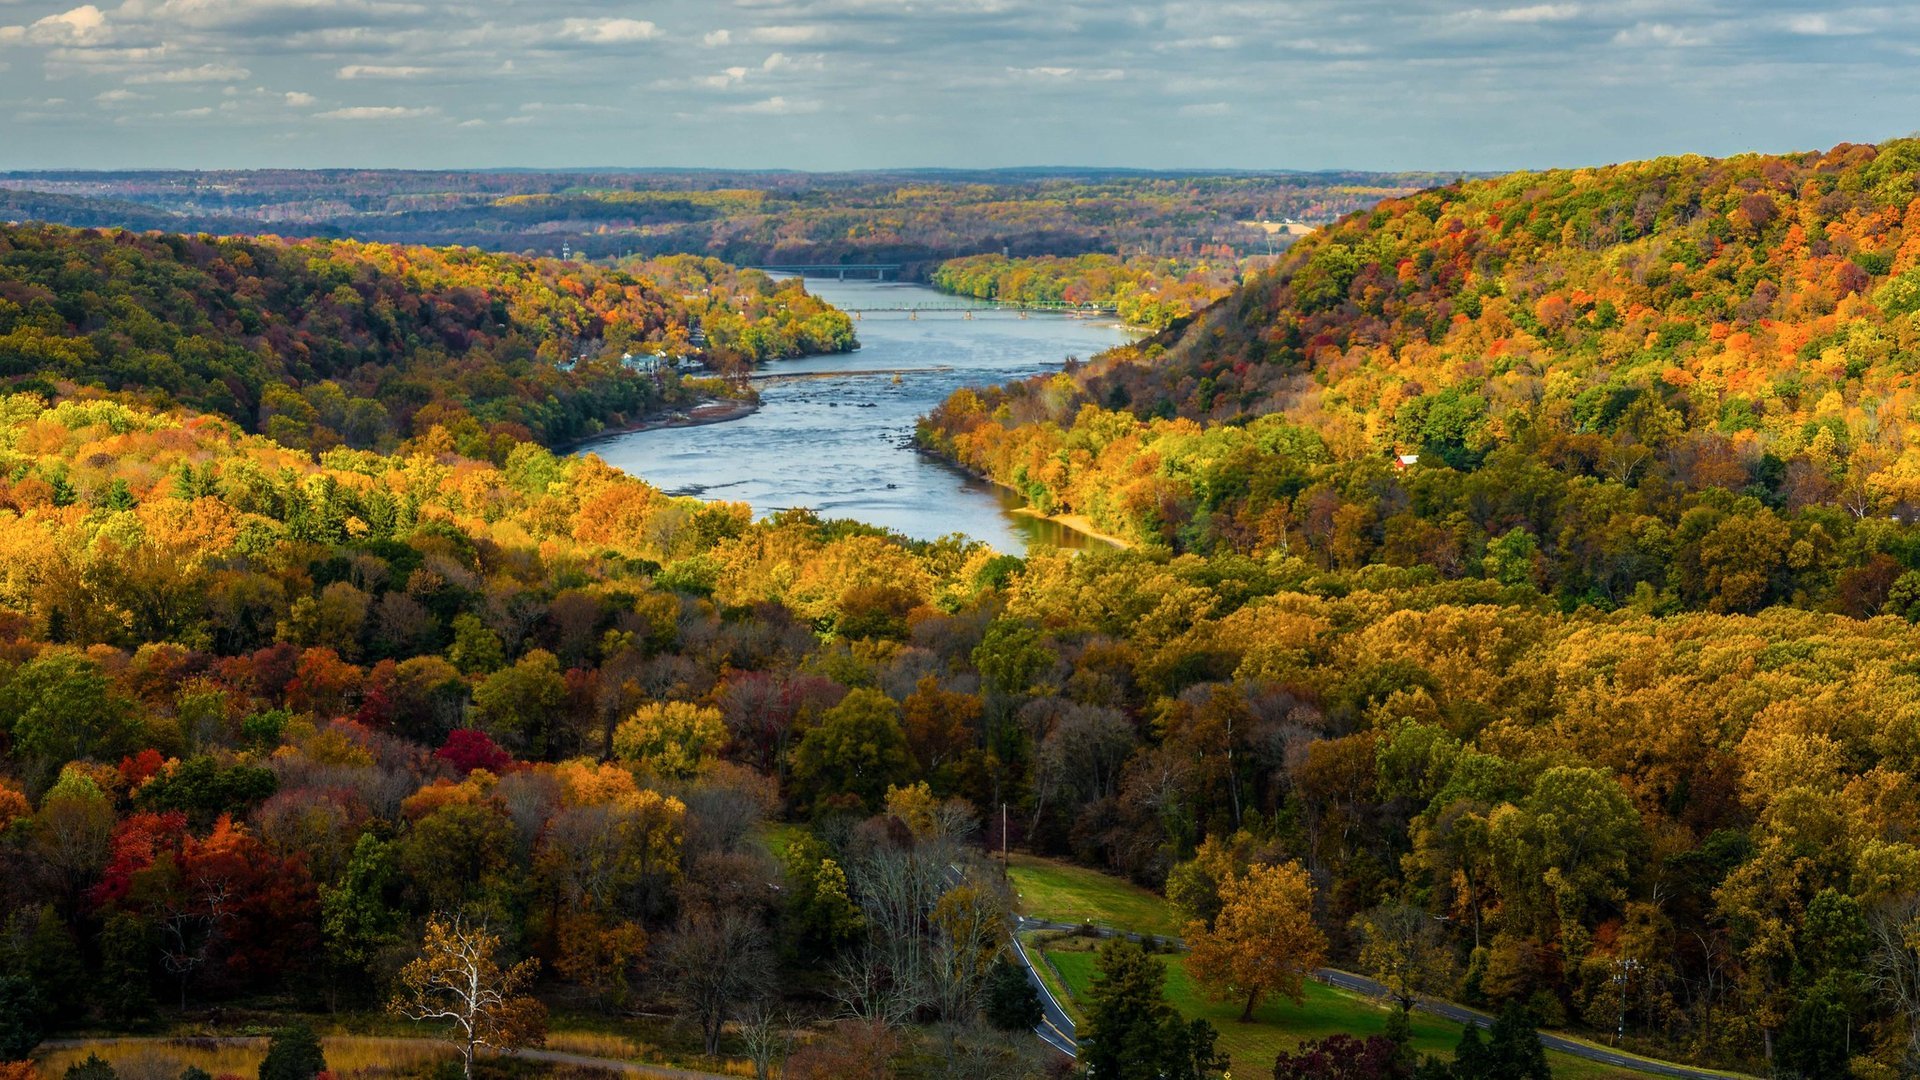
915,217
95,212
322,343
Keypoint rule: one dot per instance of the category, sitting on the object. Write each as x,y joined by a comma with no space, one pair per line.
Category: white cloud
777,106
118,97
786,35
1659,35
1532,13
379,112
205,73
732,76
1820,25
81,26
1069,73
716,38
1211,108
609,31
299,99
383,71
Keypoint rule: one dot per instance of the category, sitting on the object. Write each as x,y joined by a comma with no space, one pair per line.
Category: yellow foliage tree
458,980
672,739
1262,942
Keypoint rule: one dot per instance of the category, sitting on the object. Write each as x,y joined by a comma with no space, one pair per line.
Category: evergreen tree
1012,1002
1131,1032
20,1007
294,1054
94,1068
1510,1051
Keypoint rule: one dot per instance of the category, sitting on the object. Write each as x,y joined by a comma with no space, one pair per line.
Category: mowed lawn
1061,892
1279,1024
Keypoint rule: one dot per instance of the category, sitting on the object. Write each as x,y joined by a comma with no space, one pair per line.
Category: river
834,433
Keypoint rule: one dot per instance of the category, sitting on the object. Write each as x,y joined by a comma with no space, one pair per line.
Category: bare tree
717,960
767,1033
1894,972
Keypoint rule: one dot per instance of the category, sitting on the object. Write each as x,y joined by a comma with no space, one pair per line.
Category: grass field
1061,892
1281,1025
348,1055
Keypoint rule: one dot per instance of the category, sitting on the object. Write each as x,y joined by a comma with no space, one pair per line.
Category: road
1360,984
556,1057
1055,1027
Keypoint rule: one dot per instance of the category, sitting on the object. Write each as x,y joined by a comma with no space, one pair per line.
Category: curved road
1360,984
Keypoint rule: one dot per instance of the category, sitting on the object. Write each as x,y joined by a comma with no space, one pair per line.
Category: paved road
1459,1014
1056,1027
613,1065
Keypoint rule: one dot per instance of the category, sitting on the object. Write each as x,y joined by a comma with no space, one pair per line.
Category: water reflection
833,433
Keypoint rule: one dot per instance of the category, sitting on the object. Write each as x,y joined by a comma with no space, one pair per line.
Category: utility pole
1005,861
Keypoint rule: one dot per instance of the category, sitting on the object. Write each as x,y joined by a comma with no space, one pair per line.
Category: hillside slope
1569,354
326,343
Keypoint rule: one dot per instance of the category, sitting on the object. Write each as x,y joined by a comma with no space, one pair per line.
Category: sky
848,84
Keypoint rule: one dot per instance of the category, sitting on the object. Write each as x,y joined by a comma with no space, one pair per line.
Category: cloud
299,99
715,38
379,112
383,71
1211,108
205,73
1533,13
777,106
1068,73
118,97
1659,35
84,25
732,76
1821,25
786,35
609,31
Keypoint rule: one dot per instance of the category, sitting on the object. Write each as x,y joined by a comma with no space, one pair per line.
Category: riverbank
1079,523
716,411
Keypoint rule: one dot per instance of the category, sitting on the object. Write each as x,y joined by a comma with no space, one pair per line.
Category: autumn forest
1512,607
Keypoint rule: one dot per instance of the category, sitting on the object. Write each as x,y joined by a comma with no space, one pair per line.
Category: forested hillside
1686,378
400,686
1148,293
331,343
1591,699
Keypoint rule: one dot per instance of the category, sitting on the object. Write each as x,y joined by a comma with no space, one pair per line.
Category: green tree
63,709
357,915
1511,1051
1012,1002
124,991
476,650
1572,834
20,1008
293,1054
1132,1032
820,914
521,704
94,1068
856,749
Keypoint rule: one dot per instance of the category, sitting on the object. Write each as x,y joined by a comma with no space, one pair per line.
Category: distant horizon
857,170
861,85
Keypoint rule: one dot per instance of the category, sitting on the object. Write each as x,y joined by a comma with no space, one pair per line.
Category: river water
833,433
